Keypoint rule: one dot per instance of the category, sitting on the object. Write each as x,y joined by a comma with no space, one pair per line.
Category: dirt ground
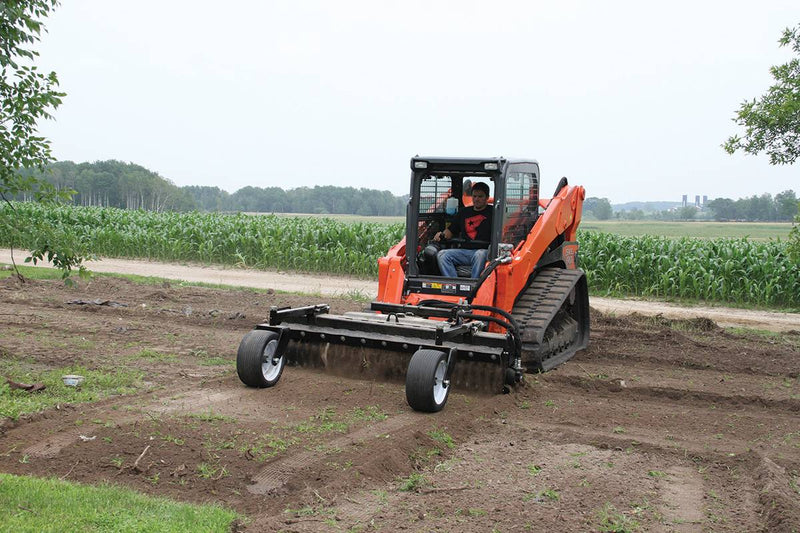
661,425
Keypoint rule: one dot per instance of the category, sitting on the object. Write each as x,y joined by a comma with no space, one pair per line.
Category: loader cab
440,187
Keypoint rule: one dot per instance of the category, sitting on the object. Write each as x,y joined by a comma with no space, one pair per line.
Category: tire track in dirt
682,493
279,472
359,513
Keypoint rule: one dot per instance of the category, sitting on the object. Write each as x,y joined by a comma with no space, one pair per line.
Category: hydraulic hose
485,274
462,311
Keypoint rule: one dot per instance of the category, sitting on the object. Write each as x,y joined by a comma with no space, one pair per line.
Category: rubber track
535,311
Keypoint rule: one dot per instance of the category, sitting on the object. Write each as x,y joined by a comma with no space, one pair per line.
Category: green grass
28,271
153,355
442,437
370,413
211,416
757,231
413,482
50,505
548,494
326,421
97,385
613,521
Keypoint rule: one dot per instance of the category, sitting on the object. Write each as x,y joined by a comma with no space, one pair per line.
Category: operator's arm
448,234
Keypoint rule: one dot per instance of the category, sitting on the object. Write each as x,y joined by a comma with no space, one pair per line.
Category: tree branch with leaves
772,122
28,96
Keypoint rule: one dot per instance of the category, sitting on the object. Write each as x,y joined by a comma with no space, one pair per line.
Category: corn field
269,241
722,270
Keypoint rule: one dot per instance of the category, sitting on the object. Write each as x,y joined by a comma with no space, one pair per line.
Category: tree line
783,207
130,186
765,208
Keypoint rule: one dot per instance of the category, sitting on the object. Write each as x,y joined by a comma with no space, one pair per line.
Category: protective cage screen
522,206
433,193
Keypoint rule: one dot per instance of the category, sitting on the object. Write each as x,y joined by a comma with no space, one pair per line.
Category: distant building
685,199
697,200
705,200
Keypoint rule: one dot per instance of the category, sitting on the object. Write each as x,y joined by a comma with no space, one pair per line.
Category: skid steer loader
528,311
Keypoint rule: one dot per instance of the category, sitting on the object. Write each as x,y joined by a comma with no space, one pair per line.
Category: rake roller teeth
385,365
348,361
486,378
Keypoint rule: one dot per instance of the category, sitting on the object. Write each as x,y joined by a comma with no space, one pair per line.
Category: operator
475,223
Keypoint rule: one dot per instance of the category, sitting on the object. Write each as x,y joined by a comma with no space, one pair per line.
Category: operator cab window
522,206
435,212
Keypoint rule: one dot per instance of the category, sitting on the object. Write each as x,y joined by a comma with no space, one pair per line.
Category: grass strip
97,385
44,505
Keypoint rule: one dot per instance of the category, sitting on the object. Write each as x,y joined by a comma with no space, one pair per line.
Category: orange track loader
528,311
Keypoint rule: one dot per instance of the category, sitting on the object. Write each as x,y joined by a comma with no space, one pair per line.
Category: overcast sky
630,99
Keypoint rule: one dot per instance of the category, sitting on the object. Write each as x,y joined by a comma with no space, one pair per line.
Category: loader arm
560,218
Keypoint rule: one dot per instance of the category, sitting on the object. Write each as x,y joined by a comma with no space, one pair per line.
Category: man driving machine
474,224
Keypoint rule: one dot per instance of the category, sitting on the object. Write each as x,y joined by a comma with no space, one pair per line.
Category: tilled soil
661,425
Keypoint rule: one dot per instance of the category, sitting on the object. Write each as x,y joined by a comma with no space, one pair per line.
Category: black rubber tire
254,348
510,377
424,392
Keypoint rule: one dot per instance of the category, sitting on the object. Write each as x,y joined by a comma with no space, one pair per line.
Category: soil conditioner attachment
528,311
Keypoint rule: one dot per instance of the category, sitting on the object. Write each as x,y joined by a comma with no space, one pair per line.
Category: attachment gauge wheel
257,361
427,383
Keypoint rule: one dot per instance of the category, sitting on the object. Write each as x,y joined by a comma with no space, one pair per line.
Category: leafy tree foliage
207,198
633,214
321,200
131,186
115,184
687,212
26,97
794,238
764,208
599,207
772,122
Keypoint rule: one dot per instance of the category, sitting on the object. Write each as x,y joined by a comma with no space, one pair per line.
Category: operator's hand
438,236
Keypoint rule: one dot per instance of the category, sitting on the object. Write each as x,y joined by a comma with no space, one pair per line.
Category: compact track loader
528,311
